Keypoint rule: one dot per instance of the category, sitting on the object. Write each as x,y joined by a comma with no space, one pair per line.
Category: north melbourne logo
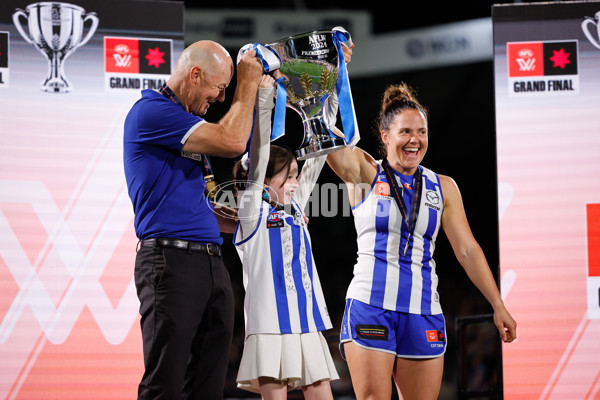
433,200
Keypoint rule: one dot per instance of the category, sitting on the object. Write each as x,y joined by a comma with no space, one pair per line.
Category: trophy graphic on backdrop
594,38
313,66
56,30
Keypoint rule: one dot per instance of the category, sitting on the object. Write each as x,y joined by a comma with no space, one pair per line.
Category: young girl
284,306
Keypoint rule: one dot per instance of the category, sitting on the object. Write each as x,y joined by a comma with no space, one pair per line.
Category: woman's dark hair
396,98
280,158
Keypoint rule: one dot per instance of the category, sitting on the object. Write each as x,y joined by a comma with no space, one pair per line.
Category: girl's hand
266,81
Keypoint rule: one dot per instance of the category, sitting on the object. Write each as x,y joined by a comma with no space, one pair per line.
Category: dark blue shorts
402,334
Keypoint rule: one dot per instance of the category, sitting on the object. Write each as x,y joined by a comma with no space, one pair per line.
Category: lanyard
204,161
168,93
397,194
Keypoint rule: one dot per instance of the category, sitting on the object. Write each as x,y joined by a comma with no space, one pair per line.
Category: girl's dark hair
396,99
280,158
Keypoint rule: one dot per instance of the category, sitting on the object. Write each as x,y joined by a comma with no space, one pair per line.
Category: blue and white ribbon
279,115
346,104
271,62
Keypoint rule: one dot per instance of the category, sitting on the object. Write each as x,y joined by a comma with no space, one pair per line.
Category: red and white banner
543,67
135,63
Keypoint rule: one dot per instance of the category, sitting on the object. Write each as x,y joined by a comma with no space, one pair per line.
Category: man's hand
250,68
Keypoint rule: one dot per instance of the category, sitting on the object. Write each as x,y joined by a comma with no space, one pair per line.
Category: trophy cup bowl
56,30
309,61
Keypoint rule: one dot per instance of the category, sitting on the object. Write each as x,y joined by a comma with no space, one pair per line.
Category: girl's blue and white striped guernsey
388,273
283,291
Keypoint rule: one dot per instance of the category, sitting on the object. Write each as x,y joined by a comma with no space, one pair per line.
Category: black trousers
187,314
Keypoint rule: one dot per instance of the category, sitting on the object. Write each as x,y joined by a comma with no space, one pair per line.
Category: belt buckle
208,249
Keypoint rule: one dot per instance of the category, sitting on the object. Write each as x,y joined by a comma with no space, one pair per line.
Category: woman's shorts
402,334
300,359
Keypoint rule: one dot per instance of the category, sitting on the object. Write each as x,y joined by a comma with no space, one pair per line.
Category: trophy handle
92,30
16,15
586,30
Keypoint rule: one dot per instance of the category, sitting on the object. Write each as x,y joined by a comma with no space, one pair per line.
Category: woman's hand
347,53
507,326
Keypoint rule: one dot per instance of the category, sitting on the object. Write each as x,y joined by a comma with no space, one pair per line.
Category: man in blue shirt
186,300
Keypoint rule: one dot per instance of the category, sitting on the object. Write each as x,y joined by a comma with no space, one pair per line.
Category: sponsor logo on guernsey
432,200
382,189
372,332
274,220
299,219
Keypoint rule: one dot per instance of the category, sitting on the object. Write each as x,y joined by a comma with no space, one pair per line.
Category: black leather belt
207,248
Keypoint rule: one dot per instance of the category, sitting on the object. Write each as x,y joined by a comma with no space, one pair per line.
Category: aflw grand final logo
542,68
135,63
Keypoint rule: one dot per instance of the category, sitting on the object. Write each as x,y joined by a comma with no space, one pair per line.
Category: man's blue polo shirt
166,189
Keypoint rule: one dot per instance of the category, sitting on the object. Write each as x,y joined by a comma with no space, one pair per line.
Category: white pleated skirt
300,359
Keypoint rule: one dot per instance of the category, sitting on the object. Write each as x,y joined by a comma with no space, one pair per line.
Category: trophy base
320,148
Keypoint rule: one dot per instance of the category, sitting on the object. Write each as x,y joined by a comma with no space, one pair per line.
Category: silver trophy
56,30
594,35
310,63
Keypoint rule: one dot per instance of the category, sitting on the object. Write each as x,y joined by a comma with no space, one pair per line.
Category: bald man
186,300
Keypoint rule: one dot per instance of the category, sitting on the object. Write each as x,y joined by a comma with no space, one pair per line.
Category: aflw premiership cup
56,30
314,68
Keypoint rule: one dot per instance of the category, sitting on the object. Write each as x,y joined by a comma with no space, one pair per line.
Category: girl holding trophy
393,324
284,306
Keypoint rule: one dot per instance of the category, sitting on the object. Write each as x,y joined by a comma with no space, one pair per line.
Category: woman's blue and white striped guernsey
388,274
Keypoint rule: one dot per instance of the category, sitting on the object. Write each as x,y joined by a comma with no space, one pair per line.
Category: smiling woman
407,135
393,325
